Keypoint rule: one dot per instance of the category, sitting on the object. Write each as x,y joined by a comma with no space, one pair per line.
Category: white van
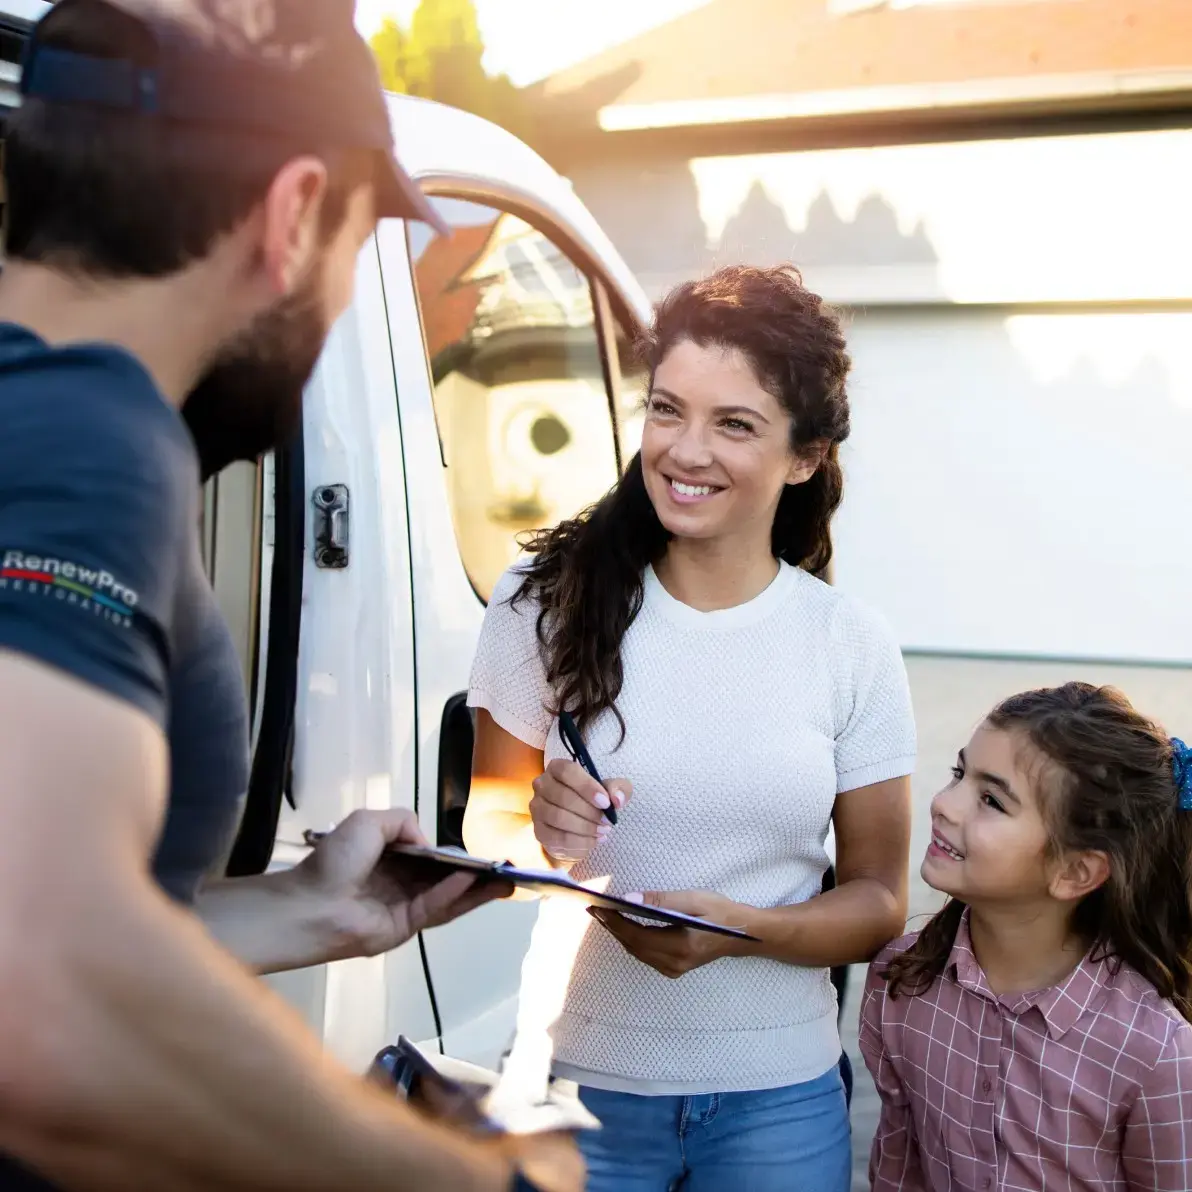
473,390
477,387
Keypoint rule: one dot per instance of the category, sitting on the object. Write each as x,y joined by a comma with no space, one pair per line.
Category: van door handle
456,736
331,525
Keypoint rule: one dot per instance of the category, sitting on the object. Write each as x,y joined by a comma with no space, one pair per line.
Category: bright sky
527,39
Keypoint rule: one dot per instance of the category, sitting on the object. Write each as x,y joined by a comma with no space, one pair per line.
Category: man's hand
373,906
675,951
551,1162
568,809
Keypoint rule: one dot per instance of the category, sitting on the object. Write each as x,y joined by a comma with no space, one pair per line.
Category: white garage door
1022,483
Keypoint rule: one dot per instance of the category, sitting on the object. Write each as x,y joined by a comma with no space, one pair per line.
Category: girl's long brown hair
1110,788
587,573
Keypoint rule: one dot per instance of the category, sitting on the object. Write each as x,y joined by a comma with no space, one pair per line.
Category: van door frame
469,1036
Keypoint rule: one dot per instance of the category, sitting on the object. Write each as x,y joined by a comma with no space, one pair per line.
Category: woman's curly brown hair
587,572
1109,786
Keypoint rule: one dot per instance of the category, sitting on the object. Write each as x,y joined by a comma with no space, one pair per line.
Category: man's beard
249,401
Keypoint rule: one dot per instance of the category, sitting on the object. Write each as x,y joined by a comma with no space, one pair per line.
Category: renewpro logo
60,579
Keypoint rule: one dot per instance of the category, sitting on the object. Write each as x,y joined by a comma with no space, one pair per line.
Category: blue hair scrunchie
1181,765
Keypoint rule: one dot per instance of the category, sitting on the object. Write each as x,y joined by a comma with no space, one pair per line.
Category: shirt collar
1062,1005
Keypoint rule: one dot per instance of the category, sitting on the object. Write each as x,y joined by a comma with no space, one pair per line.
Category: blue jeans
793,1139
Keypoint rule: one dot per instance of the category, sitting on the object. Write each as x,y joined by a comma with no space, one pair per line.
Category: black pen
579,751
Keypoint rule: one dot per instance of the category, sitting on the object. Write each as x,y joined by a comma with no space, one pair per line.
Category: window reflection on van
519,391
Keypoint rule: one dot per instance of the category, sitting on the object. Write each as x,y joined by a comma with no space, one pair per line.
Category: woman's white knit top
743,726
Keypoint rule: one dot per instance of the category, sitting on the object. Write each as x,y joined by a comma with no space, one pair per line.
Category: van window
519,390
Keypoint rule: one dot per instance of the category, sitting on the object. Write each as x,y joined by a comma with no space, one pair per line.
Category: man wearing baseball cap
189,185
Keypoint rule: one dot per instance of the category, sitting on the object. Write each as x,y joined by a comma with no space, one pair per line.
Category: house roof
734,60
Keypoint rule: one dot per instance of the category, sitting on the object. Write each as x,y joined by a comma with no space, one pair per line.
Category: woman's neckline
736,616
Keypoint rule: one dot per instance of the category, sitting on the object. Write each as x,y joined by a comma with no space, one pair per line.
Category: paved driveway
951,695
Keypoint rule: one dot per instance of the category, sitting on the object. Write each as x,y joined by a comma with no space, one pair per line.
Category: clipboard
425,866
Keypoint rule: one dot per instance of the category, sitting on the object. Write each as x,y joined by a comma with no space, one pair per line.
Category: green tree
446,31
389,47
441,57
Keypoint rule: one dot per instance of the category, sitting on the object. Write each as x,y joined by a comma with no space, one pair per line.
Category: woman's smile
691,492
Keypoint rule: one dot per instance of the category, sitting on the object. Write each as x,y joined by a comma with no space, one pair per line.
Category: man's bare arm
271,923
134,1052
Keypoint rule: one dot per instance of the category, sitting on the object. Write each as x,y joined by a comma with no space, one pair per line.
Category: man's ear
1078,875
807,462
290,218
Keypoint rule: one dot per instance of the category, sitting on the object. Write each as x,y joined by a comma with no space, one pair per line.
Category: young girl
1035,1034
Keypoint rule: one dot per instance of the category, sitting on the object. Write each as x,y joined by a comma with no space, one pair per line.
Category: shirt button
986,1086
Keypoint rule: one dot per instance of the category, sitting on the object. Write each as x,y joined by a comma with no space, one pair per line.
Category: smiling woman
738,472
745,706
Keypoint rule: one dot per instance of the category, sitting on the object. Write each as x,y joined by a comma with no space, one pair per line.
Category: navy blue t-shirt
101,577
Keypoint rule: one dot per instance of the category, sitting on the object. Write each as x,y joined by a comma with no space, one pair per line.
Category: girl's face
989,840
716,451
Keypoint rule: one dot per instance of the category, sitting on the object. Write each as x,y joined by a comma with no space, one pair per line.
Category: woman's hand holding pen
568,810
676,951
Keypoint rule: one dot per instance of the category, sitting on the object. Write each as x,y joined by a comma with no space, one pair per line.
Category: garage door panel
1022,483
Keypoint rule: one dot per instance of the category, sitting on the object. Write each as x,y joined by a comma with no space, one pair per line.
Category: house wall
1034,219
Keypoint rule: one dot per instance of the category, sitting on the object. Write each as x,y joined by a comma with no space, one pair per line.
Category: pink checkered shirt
1087,1085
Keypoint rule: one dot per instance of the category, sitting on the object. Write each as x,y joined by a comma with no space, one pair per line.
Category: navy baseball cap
296,67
